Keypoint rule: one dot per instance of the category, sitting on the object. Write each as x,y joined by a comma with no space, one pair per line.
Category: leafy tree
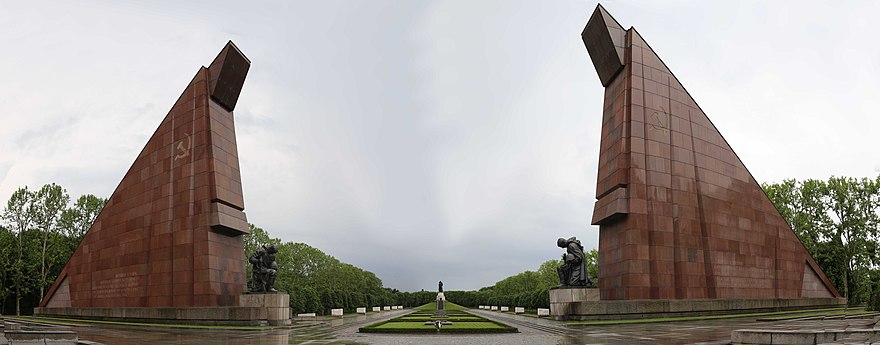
527,289
7,255
49,202
19,215
76,220
852,227
592,259
318,282
838,223
547,274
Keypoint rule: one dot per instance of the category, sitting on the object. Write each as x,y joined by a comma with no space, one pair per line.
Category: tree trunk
43,264
18,277
845,263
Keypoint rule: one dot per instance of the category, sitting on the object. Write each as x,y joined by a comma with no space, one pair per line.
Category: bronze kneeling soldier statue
264,268
573,271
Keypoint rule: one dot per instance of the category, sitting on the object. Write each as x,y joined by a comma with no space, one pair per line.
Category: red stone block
696,224
144,247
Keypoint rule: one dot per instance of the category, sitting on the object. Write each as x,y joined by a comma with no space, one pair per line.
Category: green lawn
433,306
429,318
465,324
462,322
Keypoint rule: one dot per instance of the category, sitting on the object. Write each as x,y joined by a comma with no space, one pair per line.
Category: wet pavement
532,331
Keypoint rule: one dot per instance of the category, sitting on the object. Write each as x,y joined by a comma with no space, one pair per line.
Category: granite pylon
679,214
171,233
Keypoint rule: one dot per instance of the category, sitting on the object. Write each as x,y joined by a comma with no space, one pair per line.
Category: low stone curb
799,337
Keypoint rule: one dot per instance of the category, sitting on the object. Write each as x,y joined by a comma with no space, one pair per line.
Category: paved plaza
532,331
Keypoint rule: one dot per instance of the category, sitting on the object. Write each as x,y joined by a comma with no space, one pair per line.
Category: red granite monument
680,217
169,243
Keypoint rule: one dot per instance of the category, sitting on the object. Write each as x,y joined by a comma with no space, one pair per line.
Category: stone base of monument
576,303
566,301
440,312
265,309
275,305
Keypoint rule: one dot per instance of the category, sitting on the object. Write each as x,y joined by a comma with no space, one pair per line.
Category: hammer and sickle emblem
183,147
661,126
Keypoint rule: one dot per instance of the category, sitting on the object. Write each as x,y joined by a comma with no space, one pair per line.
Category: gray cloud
428,140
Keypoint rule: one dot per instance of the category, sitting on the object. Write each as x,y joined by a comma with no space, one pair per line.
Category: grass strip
448,306
423,319
463,322
486,326
469,324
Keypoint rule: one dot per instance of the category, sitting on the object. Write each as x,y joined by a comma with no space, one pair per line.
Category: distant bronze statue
440,287
264,266
573,271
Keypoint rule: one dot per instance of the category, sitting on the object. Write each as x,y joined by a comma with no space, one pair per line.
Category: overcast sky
427,140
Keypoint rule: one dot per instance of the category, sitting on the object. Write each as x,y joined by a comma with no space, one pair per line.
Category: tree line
529,289
836,219
40,229
318,282
838,222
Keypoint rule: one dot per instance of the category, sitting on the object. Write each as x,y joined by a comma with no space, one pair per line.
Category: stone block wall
680,216
171,233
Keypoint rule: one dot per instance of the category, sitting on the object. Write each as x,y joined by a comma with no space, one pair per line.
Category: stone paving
532,331
863,330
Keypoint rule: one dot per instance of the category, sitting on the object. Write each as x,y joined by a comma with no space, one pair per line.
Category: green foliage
461,327
838,222
8,255
77,219
50,202
592,258
527,289
19,216
39,234
318,282
304,299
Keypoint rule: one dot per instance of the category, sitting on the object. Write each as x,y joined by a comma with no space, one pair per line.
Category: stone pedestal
253,310
441,305
584,304
275,306
568,300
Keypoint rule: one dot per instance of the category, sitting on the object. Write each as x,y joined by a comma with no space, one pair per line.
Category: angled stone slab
679,214
604,38
171,233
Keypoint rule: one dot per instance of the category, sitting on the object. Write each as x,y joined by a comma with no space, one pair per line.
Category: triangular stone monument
170,236
680,216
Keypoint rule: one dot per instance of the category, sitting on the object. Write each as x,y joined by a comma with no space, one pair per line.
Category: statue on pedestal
573,270
441,302
264,268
